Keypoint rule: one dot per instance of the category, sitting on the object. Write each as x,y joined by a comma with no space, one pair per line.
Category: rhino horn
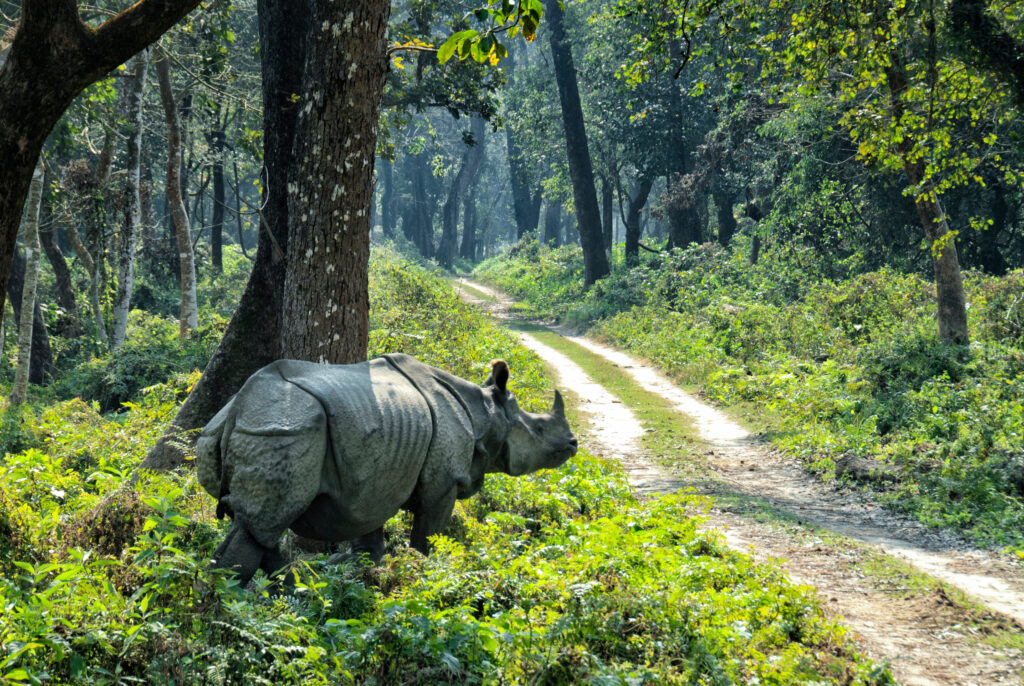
559,406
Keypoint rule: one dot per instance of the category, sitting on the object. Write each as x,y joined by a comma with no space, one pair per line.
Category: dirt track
925,636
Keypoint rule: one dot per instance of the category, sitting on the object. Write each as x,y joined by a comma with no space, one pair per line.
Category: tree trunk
253,338
68,321
417,223
552,224
637,200
238,210
607,219
52,58
726,218
133,211
465,177
525,209
41,369
989,255
581,169
92,269
188,317
949,286
219,197
469,238
28,294
326,306
387,199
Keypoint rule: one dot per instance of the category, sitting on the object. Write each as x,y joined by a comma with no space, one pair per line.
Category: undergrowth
851,366
557,578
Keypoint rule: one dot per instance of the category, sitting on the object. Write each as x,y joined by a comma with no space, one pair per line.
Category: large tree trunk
53,57
133,211
188,317
463,179
28,294
253,339
581,169
326,306
637,201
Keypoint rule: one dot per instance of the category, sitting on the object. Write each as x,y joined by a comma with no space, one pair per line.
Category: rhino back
380,428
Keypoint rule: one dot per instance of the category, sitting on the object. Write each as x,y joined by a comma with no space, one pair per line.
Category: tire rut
925,637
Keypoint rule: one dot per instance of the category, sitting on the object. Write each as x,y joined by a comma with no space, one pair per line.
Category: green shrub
152,353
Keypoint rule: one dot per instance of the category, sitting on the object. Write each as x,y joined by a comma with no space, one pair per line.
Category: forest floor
935,608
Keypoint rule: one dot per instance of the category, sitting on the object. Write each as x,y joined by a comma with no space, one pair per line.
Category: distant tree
581,169
52,57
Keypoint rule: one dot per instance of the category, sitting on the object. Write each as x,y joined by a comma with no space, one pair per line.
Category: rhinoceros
334,451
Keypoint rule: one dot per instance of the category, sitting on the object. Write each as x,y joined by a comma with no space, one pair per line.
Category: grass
555,578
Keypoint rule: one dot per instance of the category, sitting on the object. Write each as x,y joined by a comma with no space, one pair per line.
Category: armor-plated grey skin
334,451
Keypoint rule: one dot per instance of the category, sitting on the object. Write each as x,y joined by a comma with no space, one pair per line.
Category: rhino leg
241,553
431,518
371,545
368,548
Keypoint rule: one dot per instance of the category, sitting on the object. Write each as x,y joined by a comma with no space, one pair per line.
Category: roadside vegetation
562,577
832,368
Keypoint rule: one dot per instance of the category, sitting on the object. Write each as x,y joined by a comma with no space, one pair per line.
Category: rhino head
533,441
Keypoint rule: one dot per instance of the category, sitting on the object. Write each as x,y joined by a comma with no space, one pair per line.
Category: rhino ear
558,409
499,375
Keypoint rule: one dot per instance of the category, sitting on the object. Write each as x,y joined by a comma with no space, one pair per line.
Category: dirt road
839,542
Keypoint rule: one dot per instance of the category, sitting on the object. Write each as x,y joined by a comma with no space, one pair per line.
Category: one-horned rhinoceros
334,451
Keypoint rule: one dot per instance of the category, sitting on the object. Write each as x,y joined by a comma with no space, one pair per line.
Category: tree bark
218,142
607,219
387,199
68,326
465,177
724,212
28,294
637,200
989,254
41,370
326,306
53,57
133,211
552,224
527,212
188,317
581,168
253,337
91,265
469,228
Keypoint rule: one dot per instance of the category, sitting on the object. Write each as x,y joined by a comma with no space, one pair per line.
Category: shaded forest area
811,211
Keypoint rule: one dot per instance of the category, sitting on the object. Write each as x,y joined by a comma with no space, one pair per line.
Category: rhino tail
210,465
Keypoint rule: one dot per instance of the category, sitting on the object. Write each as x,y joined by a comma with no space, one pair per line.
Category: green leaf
454,42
